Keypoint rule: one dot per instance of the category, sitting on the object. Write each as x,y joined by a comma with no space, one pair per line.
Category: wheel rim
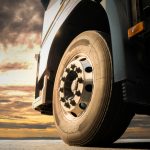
76,86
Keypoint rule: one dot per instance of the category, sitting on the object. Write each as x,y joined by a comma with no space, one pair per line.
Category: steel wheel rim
76,87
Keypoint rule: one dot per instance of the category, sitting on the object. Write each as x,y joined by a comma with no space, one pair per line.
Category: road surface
123,144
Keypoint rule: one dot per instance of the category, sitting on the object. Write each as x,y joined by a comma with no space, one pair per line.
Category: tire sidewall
93,45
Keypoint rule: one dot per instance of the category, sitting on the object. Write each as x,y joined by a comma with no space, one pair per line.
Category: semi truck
93,69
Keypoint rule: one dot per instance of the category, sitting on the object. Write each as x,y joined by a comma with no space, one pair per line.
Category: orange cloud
16,100
13,66
49,133
26,125
29,39
17,88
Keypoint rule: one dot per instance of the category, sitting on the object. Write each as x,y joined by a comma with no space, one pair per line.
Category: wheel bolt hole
82,105
88,88
88,69
83,59
75,115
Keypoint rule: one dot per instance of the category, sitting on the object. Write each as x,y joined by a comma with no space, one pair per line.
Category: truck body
127,22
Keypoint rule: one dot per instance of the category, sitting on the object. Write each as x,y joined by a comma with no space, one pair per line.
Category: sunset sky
20,37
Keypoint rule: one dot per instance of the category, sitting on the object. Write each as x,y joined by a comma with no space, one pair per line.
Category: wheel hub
76,86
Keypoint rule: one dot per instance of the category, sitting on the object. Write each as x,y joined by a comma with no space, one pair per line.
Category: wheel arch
89,15
80,20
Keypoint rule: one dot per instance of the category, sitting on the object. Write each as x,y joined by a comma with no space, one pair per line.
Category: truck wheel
88,107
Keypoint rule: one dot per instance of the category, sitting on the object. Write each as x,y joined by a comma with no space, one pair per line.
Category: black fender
119,22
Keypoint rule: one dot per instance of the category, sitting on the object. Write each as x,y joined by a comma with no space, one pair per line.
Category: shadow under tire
88,106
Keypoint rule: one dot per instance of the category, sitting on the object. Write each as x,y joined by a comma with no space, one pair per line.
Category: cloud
20,105
25,125
13,66
11,94
12,117
16,100
19,19
4,101
13,107
17,88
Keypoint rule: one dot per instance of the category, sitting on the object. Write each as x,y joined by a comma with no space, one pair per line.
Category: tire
88,107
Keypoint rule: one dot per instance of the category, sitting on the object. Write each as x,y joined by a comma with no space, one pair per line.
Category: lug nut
80,80
67,70
78,93
62,99
78,70
63,78
61,89
67,105
73,103
73,66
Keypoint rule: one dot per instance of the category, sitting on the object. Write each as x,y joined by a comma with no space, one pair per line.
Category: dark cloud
19,17
13,66
17,117
4,101
12,117
26,125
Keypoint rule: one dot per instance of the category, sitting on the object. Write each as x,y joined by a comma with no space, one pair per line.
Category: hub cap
76,86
